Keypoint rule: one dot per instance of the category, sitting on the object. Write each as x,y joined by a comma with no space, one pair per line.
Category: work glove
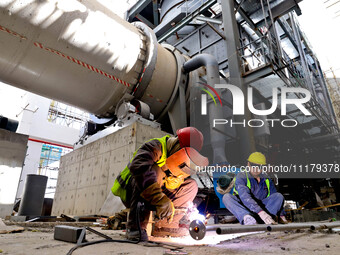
282,220
164,207
173,182
267,219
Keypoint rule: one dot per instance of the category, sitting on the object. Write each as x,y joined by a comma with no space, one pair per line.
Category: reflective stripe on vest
249,185
122,180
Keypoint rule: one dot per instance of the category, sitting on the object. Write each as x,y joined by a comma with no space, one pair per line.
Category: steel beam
303,59
288,35
211,20
145,21
155,12
259,73
248,20
245,134
323,138
137,8
204,7
282,9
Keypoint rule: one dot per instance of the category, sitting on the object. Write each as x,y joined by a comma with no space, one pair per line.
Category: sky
320,21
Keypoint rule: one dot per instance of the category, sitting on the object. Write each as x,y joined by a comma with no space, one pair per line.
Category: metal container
33,197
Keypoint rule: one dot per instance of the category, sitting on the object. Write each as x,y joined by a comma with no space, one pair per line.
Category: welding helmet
190,137
186,162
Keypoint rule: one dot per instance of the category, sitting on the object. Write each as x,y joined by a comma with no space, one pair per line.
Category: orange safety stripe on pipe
81,63
4,29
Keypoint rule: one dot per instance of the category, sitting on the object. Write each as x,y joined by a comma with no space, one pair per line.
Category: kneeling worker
159,176
255,196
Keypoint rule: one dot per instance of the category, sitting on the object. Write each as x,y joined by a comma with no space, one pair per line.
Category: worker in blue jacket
255,197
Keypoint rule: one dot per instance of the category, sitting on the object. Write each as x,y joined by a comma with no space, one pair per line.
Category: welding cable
139,207
100,241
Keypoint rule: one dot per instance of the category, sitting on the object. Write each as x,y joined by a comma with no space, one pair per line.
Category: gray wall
86,175
13,148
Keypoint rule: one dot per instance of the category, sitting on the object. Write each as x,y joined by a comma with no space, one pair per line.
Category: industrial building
87,83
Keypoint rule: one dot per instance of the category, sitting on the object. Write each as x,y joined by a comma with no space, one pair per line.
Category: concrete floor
40,241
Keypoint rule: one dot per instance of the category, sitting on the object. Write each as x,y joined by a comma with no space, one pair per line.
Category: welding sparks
197,216
210,239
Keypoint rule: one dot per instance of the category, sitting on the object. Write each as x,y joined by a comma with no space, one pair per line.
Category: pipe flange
197,230
181,79
150,62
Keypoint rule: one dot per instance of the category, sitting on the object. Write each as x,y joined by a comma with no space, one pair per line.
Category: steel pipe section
198,229
82,54
273,228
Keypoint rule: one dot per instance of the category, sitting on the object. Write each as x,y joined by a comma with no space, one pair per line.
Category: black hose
100,241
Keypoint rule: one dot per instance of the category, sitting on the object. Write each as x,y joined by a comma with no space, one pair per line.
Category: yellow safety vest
122,180
249,185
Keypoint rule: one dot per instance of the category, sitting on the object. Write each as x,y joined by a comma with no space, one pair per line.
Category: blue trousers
272,204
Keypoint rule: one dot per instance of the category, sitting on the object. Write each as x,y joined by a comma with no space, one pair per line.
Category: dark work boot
132,228
134,235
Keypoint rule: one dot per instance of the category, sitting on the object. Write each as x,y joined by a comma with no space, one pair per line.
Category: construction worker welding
159,175
255,198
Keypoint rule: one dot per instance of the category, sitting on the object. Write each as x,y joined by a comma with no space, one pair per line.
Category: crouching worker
255,198
159,176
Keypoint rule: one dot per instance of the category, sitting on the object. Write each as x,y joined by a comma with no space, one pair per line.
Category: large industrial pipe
82,54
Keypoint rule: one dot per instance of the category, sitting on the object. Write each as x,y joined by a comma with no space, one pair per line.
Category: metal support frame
288,34
272,13
137,8
211,20
145,21
322,117
302,55
246,136
248,20
155,12
285,7
256,74
282,9
187,20
326,91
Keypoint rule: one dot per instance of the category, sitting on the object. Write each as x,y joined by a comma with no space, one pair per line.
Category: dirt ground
40,241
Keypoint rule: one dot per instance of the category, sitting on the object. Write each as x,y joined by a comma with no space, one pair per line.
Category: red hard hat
190,137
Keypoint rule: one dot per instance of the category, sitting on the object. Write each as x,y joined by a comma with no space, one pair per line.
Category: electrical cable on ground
139,206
